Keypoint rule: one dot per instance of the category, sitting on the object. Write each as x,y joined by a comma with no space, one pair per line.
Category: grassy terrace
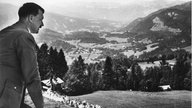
137,99
129,99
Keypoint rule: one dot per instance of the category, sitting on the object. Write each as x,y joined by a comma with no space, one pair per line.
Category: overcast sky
73,1
63,2
133,8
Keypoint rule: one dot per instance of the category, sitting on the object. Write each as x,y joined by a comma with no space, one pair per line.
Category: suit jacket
18,68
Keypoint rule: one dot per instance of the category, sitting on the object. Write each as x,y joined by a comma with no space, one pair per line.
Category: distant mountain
185,6
86,37
131,25
67,24
63,45
175,19
47,35
57,22
168,29
169,26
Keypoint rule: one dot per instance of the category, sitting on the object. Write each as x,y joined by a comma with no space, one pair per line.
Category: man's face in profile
36,22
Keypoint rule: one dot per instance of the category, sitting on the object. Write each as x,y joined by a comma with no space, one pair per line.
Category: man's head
33,15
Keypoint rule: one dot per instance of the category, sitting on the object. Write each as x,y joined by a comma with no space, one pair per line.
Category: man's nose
42,24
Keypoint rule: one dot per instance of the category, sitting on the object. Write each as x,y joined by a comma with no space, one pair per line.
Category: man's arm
26,53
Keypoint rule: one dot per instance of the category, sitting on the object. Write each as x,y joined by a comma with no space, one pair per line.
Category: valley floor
131,99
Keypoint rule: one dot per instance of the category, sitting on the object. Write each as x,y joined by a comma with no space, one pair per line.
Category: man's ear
30,18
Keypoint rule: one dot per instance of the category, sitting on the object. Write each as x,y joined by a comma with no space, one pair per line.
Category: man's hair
29,9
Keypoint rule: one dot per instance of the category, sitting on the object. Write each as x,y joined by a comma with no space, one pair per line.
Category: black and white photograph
95,54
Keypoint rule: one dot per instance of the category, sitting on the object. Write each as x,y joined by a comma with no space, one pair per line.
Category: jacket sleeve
26,53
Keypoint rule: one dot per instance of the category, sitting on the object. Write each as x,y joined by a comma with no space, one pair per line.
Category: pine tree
76,80
180,69
152,79
61,63
136,75
53,60
166,72
108,74
96,76
43,58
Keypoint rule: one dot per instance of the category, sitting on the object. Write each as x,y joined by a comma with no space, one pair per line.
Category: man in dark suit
18,59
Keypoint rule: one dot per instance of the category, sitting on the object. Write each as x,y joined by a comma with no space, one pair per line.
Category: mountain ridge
58,22
143,24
